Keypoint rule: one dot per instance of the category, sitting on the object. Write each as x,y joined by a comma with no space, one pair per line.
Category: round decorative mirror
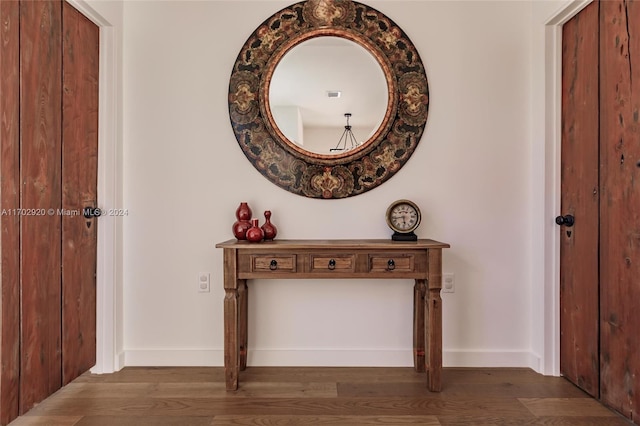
328,98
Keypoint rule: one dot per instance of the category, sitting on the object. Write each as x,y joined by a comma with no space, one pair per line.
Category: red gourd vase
269,228
255,233
243,212
242,224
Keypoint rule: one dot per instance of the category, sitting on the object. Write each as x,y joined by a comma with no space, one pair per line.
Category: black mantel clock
403,217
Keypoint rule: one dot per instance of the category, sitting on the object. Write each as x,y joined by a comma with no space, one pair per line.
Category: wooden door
600,253
40,170
579,352
9,202
620,206
48,135
79,190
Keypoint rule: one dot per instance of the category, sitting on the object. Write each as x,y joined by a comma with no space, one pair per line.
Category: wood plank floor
196,396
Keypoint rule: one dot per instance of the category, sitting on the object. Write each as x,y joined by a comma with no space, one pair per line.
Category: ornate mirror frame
316,175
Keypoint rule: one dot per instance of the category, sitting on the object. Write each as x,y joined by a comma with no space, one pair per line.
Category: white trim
107,253
173,358
107,197
331,357
271,357
83,7
120,358
550,362
326,358
567,12
520,359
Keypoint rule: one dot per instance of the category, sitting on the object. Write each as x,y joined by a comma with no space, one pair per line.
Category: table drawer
339,263
391,262
273,263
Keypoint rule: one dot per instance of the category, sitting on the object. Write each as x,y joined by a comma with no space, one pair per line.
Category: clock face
403,216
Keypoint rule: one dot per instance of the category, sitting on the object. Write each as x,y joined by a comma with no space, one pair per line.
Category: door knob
566,220
89,212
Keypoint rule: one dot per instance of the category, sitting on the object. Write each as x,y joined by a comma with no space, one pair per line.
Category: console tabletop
301,259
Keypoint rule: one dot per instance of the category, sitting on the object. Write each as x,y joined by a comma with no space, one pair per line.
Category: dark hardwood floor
318,396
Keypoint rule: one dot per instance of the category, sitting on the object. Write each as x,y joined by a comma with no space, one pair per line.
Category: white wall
184,176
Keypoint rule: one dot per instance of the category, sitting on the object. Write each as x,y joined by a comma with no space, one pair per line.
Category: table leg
433,306
231,320
419,292
231,355
243,296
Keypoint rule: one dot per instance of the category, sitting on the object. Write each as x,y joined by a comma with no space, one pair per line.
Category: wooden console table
301,259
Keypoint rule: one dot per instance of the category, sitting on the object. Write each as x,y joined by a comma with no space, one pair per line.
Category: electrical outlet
204,282
448,283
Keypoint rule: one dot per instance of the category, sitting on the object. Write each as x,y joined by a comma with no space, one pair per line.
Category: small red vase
268,228
242,224
243,212
255,233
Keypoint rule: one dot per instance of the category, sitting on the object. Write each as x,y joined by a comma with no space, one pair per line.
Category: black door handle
89,212
566,220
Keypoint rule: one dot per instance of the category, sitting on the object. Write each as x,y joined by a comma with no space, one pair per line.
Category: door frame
546,194
109,354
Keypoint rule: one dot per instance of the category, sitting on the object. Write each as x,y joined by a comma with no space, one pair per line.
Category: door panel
9,202
620,206
79,183
48,160
40,147
612,113
580,194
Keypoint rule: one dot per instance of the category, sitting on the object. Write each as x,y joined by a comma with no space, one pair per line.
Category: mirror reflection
328,95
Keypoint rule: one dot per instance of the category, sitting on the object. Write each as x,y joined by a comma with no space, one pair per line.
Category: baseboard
332,357
326,357
173,358
491,359
120,361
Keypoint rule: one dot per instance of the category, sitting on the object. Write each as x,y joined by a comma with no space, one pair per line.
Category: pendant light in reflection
347,141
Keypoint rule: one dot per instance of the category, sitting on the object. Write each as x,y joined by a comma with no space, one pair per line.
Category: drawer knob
332,264
273,265
391,265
